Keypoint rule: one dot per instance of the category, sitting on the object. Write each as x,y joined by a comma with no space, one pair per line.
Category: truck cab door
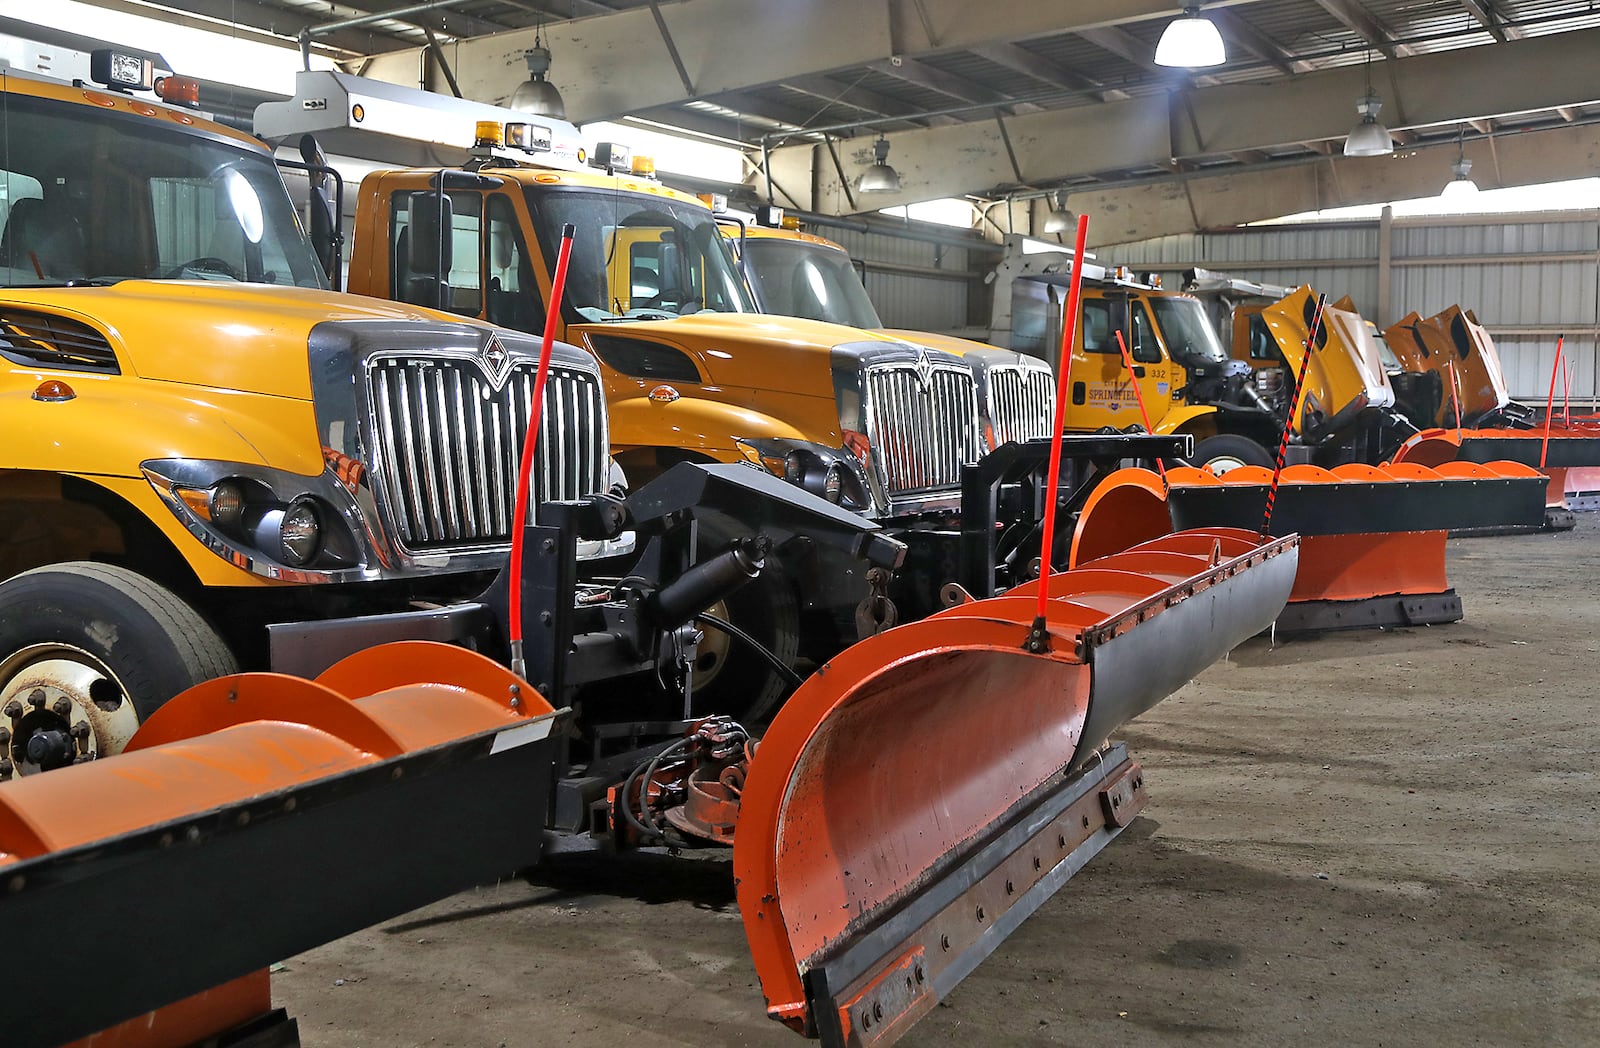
1100,390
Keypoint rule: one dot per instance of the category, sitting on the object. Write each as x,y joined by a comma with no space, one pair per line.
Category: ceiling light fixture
1190,41
1461,183
1060,220
1368,137
880,177
536,96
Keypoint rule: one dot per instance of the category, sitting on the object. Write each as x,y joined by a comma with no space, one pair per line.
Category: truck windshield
1188,334
95,196
638,256
814,281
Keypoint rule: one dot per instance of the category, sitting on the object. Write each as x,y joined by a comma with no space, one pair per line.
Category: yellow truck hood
933,340
1453,337
245,337
1346,371
751,350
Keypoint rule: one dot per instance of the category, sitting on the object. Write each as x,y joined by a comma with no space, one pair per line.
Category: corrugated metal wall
913,283
1528,278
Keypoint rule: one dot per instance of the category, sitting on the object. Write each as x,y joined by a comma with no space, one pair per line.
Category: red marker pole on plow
530,441
1294,412
1550,403
1138,395
1039,636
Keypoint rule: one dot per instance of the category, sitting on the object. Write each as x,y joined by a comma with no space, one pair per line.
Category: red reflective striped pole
1038,640
1138,394
1294,411
530,441
1550,403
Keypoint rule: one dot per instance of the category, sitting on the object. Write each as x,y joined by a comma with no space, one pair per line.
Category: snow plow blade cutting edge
927,790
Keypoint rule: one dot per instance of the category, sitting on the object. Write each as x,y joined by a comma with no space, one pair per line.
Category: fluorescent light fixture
1190,41
1368,137
880,177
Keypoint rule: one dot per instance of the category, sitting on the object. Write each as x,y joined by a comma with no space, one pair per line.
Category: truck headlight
833,483
290,534
226,503
831,473
259,518
300,532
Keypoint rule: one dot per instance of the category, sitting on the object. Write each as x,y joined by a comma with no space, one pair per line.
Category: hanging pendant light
1461,183
1190,41
1368,137
536,96
1060,220
880,177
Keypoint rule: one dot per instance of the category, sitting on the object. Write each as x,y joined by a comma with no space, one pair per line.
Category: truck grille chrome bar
1021,403
447,441
922,425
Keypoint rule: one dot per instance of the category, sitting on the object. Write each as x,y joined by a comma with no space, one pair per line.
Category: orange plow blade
232,825
925,791
1373,537
1573,446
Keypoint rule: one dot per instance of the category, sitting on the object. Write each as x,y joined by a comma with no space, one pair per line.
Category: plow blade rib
257,816
930,787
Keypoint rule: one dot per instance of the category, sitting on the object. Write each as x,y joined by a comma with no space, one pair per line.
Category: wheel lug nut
62,707
80,730
37,698
5,736
6,767
12,709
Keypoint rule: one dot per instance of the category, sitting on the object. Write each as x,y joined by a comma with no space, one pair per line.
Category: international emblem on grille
924,371
496,361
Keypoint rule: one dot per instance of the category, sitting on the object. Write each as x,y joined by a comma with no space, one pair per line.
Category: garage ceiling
1015,98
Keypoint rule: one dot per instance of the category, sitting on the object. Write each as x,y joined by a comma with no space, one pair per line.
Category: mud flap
925,791
226,836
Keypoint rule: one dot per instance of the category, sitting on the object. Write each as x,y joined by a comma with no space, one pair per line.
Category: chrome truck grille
1021,403
922,424
447,444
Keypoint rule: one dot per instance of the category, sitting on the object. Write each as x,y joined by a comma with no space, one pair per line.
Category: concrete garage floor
1374,838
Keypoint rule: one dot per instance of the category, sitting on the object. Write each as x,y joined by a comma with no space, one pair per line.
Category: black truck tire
1227,451
110,641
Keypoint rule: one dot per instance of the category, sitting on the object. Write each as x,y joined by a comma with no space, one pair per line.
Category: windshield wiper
77,282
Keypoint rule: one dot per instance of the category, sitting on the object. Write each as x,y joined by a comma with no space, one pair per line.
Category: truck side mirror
326,238
671,264
1120,320
430,242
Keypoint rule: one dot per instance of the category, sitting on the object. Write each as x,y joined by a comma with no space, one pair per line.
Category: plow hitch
927,790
